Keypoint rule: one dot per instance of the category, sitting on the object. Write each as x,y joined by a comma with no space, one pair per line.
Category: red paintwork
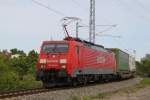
88,58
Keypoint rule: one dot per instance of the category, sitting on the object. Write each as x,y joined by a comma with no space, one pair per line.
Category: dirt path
142,94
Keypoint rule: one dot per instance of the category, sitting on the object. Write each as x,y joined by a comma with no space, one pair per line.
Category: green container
122,60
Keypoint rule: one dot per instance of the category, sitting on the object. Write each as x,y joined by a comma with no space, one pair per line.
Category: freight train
74,61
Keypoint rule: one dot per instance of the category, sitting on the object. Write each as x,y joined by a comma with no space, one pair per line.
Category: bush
29,82
18,73
9,81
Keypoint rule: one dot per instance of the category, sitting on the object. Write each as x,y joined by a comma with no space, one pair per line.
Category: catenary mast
92,22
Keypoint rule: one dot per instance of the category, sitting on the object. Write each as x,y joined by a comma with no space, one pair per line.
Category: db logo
100,60
53,56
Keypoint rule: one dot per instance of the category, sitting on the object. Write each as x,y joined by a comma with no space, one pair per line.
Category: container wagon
132,65
125,63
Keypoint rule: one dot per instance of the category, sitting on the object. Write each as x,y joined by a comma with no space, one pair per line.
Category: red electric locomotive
73,61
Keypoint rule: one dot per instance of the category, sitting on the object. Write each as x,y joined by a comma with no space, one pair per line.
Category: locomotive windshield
55,48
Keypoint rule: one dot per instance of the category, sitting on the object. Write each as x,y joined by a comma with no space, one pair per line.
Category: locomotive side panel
92,61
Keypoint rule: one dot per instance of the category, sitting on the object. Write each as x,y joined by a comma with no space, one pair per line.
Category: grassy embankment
100,96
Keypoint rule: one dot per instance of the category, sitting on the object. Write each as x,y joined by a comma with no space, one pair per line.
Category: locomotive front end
52,62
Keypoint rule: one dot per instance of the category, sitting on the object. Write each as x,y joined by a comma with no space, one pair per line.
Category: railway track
11,94
22,92
17,93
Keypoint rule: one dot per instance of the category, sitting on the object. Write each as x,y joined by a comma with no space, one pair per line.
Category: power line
142,6
78,4
144,11
114,25
74,1
107,25
97,34
109,35
47,7
107,29
127,5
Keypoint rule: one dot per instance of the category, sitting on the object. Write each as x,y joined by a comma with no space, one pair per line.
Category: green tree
18,72
143,67
21,65
9,81
16,51
32,59
8,77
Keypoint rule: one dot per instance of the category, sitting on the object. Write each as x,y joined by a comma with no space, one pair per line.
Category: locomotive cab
52,62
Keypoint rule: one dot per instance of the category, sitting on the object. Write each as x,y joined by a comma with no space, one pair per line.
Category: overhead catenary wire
49,8
101,33
74,1
128,7
114,25
109,27
142,6
62,14
109,35
79,5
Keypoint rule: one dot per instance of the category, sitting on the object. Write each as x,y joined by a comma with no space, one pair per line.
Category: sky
25,24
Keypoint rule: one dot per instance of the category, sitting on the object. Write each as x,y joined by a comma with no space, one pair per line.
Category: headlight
64,67
63,61
42,61
42,66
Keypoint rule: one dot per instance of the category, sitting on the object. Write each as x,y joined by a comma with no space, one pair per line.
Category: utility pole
92,22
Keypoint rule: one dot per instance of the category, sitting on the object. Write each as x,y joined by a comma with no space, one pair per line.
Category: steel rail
17,93
22,92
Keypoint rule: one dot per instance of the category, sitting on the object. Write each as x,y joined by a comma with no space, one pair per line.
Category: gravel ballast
69,94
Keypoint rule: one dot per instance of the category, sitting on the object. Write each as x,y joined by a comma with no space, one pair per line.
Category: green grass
100,96
86,98
75,98
145,82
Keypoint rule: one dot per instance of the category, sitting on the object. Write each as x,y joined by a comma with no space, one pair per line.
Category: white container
132,65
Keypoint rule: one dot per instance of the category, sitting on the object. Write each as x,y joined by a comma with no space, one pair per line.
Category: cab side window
77,49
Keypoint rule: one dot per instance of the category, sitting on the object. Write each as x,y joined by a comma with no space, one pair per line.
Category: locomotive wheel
74,83
85,81
48,85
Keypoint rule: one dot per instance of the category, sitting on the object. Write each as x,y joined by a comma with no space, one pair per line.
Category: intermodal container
122,60
132,65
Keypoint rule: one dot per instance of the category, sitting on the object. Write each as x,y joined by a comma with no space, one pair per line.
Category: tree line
17,70
143,66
